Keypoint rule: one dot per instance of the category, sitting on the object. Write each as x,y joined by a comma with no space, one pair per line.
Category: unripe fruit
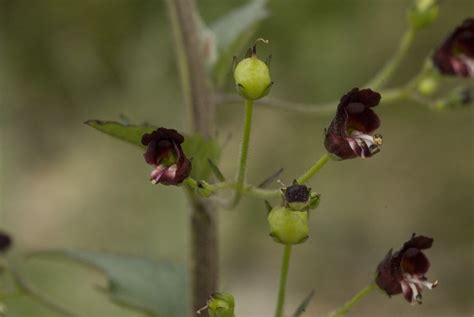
221,305
288,226
252,77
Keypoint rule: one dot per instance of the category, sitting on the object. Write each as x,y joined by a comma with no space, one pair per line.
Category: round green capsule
288,226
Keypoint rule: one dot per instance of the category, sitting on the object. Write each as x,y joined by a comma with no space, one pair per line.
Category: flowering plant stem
344,309
314,169
244,151
285,264
386,72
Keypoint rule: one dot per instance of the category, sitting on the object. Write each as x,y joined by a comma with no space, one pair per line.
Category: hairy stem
244,149
387,71
314,169
285,264
195,81
344,309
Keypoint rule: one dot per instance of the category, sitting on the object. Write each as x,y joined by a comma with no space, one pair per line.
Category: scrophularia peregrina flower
404,271
5,242
351,132
164,153
456,55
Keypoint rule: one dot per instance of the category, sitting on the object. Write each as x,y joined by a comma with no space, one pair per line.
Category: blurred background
64,185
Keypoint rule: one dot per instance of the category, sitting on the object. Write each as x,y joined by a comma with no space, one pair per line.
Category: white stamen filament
469,62
363,140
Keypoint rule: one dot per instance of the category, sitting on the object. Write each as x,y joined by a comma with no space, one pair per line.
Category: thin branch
388,96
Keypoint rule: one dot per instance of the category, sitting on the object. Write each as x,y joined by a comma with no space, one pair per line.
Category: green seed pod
423,13
221,305
288,226
252,76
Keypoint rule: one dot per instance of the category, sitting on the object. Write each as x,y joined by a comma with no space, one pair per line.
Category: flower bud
252,76
221,305
288,226
423,13
458,98
428,86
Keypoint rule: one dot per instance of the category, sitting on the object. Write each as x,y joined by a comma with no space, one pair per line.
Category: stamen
157,173
416,296
469,63
378,139
368,145
429,285
202,309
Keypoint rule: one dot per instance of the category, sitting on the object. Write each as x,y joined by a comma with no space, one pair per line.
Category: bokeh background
64,185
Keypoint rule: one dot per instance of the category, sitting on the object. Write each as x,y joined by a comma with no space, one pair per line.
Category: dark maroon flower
350,134
164,152
5,242
404,271
456,55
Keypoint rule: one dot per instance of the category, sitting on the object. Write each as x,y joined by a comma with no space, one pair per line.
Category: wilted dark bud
252,76
299,197
288,226
221,305
423,13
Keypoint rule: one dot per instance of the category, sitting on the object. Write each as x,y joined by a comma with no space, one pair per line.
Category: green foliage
196,147
155,288
302,307
216,171
233,31
201,150
126,132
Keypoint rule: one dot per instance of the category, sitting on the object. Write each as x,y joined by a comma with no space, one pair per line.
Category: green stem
244,151
314,169
388,96
384,74
285,264
344,309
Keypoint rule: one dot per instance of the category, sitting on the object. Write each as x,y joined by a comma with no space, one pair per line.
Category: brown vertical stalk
195,81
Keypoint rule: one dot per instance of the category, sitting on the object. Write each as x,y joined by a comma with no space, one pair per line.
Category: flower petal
415,262
456,55
388,278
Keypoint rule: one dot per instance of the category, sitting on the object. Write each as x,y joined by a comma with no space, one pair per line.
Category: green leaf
201,150
155,288
304,304
234,30
216,171
126,132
